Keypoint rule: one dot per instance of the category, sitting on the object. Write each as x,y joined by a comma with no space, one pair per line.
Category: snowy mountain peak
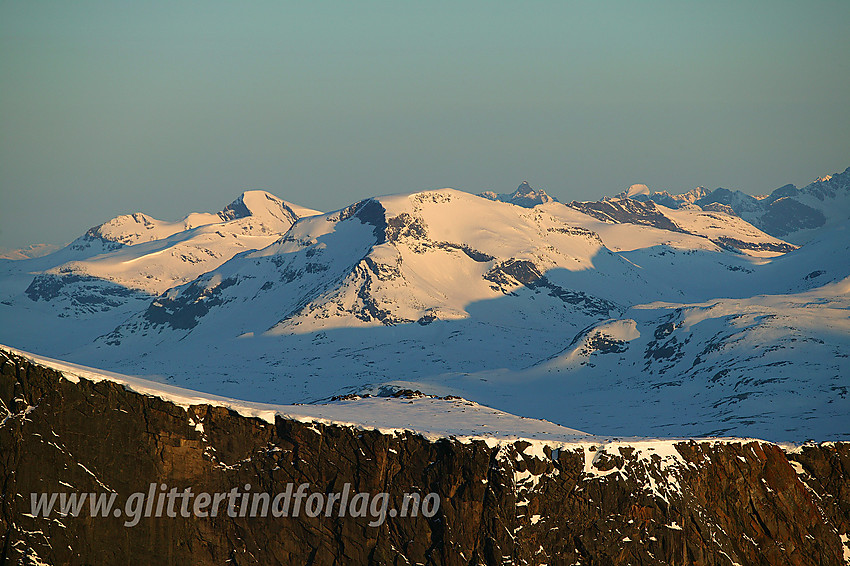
134,256
527,197
253,212
832,184
524,196
637,189
262,204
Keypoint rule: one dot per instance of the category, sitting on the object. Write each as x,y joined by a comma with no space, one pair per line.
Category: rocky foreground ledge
501,502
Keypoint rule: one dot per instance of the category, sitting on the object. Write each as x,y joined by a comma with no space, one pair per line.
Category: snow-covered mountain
621,317
788,212
724,229
116,268
429,256
148,255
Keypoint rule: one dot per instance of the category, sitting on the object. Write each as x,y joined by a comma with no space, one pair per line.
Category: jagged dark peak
528,197
788,190
524,189
842,178
524,196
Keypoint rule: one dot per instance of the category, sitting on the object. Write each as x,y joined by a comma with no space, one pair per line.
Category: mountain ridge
787,212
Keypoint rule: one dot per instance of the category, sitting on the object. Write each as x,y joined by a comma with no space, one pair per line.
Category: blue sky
171,107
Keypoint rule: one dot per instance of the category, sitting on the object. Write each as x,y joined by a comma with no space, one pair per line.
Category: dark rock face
710,503
94,238
513,271
735,244
368,211
368,308
234,210
506,275
785,216
405,226
183,311
627,211
471,253
82,293
718,207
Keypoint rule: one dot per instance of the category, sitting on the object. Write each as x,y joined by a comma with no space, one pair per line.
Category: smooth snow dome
637,189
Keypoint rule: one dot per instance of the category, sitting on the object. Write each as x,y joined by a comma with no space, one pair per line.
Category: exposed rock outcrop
675,502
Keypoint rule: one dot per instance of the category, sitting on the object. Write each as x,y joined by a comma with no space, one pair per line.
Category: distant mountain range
788,212
29,252
642,314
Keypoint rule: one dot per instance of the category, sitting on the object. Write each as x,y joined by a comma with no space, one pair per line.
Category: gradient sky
171,107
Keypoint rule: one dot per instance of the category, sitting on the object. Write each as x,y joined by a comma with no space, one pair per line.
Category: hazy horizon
171,108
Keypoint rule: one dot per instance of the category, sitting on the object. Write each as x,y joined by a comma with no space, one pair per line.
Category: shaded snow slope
772,366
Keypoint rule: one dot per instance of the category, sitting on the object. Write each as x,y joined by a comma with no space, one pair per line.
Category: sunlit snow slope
116,268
